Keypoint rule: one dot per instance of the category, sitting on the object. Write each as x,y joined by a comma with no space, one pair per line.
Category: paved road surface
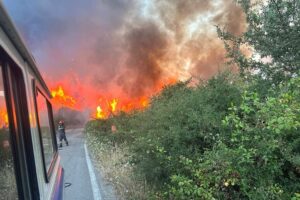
79,180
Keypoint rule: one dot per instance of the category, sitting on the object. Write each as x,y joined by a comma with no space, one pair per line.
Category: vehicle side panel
46,189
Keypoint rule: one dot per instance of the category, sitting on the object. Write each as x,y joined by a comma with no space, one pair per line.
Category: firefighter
62,133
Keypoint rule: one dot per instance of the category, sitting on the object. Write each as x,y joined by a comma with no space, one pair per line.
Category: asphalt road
82,181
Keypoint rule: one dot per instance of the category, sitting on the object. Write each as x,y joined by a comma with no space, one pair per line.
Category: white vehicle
29,161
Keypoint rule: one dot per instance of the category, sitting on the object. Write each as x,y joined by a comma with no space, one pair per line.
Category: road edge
94,183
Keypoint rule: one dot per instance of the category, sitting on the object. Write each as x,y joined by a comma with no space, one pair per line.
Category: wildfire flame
104,106
60,98
117,105
3,118
113,105
100,114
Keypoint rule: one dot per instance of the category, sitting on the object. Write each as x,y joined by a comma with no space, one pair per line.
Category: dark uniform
62,133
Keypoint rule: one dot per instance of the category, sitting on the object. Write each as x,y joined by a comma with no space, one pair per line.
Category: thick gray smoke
124,48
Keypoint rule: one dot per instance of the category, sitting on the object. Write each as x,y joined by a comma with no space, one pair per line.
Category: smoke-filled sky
124,48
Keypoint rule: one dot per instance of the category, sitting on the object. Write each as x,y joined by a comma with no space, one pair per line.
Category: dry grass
113,162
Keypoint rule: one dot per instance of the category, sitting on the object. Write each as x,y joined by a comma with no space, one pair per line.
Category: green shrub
182,121
214,141
258,159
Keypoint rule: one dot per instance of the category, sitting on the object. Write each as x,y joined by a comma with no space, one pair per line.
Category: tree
274,34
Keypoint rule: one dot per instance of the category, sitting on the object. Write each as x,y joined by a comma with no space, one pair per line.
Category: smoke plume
124,48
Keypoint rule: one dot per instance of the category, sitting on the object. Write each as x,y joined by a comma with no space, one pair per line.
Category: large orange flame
60,97
116,106
104,105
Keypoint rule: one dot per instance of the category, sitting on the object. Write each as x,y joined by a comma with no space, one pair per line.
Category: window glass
8,186
44,122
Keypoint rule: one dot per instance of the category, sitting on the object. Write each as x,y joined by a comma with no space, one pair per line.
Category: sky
127,49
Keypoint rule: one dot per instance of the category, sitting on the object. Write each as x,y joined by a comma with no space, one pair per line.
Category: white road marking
95,187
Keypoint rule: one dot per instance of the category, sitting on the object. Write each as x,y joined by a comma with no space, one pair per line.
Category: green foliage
183,122
214,142
256,158
274,34
268,132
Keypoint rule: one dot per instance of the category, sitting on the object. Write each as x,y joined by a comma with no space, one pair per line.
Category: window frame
38,88
9,103
15,92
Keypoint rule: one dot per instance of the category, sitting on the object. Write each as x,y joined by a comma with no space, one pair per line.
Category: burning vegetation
124,51
59,97
104,108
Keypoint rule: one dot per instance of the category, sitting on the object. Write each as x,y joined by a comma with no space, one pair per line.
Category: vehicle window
8,186
46,134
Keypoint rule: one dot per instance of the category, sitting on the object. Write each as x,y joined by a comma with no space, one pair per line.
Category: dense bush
182,122
258,159
214,142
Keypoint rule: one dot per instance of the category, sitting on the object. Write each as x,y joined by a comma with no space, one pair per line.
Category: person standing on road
62,133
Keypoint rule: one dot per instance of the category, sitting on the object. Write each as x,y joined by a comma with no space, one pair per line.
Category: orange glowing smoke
60,97
3,118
